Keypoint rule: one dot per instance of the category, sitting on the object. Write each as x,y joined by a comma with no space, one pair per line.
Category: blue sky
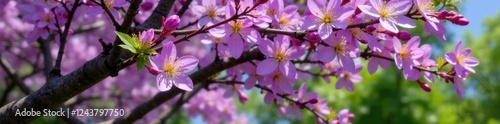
475,11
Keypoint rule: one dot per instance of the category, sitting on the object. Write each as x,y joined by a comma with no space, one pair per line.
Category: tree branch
59,89
154,21
127,22
199,76
184,8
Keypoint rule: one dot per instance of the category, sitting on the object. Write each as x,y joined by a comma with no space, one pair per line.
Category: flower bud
148,5
462,21
171,23
242,97
350,116
370,28
313,101
152,70
442,14
345,2
424,86
404,35
295,42
259,2
147,36
452,13
313,37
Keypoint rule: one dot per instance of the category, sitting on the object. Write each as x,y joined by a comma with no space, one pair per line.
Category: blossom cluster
294,39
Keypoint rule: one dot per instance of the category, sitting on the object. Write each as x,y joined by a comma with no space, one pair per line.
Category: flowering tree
201,53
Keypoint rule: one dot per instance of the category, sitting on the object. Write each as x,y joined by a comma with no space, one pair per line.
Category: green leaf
440,62
141,61
129,41
129,48
150,52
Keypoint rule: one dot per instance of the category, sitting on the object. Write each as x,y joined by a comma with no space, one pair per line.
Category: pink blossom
280,53
347,79
461,60
172,69
209,11
406,56
390,13
326,17
342,47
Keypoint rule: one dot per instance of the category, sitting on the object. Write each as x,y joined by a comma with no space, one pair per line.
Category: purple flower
326,16
280,53
172,69
342,46
280,84
343,117
346,79
235,33
390,13
210,12
461,60
406,56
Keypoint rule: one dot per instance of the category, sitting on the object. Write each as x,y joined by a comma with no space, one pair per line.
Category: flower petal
451,58
326,54
369,10
294,52
235,45
267,66
186,63
288,69
324,31
315,8
390,26
310,24
250,82
266,47
404,22
162,82
184,82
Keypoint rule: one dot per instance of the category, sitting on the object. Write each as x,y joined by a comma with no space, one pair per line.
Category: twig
13,75
108,12
6,93
184,8
57,68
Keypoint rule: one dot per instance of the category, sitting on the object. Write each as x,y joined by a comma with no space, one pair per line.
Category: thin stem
108,12
57,68
284,96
